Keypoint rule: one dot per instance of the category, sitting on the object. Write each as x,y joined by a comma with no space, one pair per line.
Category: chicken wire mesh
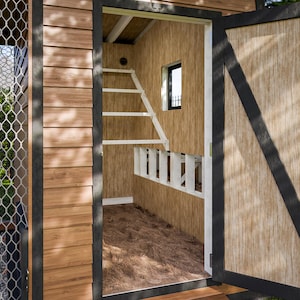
13,151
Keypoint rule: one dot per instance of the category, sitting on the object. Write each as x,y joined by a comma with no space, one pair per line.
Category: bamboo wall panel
166,43
67,120
185,212
260,239
118,160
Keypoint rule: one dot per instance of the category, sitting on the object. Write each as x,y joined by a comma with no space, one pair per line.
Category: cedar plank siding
67,121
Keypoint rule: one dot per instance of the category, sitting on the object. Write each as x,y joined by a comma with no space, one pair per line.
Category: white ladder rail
150,112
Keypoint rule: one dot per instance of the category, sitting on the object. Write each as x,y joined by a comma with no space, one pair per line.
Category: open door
256,152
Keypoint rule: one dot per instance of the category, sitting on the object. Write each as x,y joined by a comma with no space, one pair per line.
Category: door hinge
210,259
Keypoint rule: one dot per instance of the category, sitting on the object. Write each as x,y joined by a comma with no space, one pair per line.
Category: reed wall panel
184,211
67,120
260,239
118,159
166,43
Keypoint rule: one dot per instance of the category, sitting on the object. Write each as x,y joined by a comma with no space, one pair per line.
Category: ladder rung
112,90
108,70
132,142
126,114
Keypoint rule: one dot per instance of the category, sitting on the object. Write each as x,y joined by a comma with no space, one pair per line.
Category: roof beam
118,29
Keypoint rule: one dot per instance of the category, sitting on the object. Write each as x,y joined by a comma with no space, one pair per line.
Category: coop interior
153,153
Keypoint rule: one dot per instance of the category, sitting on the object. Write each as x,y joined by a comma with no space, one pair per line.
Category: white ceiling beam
118,29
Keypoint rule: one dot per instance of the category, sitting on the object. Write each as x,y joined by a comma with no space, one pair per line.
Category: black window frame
170,100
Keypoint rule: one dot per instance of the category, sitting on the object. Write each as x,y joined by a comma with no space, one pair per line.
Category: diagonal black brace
264,139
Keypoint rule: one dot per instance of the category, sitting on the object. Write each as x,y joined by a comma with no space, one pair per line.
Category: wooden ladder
149,112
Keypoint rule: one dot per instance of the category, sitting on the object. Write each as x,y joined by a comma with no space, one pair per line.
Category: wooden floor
209,293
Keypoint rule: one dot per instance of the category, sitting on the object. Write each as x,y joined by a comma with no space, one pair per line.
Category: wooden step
208,293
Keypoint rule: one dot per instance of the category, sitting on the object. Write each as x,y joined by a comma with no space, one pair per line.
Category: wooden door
256,151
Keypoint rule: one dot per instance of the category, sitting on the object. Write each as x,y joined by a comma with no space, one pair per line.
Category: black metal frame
37,149
223,55
170,89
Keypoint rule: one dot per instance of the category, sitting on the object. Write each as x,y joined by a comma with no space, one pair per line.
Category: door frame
170,12
222,54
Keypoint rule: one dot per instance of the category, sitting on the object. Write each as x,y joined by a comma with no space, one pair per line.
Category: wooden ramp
209,293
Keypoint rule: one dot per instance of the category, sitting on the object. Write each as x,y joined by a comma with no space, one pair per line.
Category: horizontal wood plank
68,117
67,37
68,277
67,257
67,137
79,292
67,97
67,57
67,217
67,157
67,196
67,77
67,177
63,237
82,4
68,17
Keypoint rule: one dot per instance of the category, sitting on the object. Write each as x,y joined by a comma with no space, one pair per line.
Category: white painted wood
124,91
190,172
125,71
143,162
175,169
136,154
207,160
152,163
131,142
163,166
126,114
117,201
119,27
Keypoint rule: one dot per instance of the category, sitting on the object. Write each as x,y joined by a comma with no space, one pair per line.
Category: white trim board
117,201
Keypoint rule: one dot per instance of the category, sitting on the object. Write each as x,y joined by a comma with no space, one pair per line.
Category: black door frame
224,56
97,207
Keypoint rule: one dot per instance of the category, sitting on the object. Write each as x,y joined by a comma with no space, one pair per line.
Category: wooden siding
260,238
184,211
67,152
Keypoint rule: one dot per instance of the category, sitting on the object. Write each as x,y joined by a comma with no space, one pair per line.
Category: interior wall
166,43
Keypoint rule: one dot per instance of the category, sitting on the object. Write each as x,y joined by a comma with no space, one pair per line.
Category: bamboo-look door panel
261,239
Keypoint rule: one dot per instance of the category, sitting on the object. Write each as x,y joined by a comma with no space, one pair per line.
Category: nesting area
141,250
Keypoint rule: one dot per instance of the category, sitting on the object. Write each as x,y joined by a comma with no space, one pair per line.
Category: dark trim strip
162,9
162,290
37,149
97,150
265,15
217,149
263,286
262,134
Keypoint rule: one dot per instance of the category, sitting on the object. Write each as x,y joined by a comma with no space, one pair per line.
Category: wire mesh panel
13,151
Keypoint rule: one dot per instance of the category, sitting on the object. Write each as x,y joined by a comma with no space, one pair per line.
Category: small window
171,91
174,86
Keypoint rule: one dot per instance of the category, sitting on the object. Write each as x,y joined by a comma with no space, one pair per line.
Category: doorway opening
156,162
